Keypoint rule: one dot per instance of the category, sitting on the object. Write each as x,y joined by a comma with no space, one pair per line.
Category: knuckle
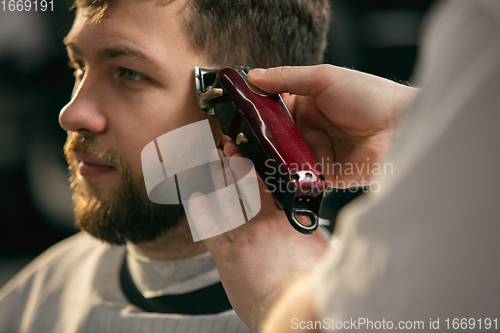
284,71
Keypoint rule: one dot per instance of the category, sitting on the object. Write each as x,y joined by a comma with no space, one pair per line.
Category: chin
105,189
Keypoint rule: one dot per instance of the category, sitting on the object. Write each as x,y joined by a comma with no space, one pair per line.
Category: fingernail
197,203
195,195
257,72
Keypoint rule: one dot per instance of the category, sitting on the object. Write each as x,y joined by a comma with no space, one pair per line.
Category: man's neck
175,244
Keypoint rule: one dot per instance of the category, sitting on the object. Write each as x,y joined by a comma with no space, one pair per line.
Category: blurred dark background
378,37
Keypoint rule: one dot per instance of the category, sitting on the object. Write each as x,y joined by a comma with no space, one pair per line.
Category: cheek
140,130
146,115
164,110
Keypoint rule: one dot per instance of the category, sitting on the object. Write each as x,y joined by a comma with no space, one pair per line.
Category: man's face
134,82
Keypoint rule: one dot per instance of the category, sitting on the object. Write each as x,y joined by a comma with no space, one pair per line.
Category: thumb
299,80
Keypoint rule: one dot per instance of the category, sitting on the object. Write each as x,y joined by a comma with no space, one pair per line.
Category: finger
240,165
205,225
230,148
247,184
300,80
225,139
228,210
224,201
242,168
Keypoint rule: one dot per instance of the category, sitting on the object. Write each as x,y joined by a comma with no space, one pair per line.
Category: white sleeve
426,246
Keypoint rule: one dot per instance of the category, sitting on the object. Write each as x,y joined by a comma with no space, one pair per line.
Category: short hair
254,33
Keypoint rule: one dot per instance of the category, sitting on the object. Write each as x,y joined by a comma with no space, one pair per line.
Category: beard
128,215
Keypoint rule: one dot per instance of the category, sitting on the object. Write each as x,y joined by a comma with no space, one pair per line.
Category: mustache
86,145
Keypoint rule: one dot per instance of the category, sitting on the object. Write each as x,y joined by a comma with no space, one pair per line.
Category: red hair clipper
264,130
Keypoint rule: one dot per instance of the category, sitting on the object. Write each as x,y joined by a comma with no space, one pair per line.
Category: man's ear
216,130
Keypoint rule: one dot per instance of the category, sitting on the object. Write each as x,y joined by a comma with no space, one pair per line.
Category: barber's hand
257,260
346,117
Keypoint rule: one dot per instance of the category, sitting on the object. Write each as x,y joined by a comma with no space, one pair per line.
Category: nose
84,113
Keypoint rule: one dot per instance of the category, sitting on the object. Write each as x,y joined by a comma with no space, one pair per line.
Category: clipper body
263,128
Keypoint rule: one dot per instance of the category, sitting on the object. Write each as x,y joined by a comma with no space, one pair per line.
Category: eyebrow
120,51
110,53
70,44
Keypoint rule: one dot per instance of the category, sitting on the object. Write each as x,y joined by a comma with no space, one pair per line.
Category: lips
90,167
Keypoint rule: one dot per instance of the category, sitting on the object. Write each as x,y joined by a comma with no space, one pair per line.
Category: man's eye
132,75
79,68
79,72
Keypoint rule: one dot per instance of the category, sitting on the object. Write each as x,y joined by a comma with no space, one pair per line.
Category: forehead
144,24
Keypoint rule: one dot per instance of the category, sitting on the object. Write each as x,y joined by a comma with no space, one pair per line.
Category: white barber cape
74,287
426,246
